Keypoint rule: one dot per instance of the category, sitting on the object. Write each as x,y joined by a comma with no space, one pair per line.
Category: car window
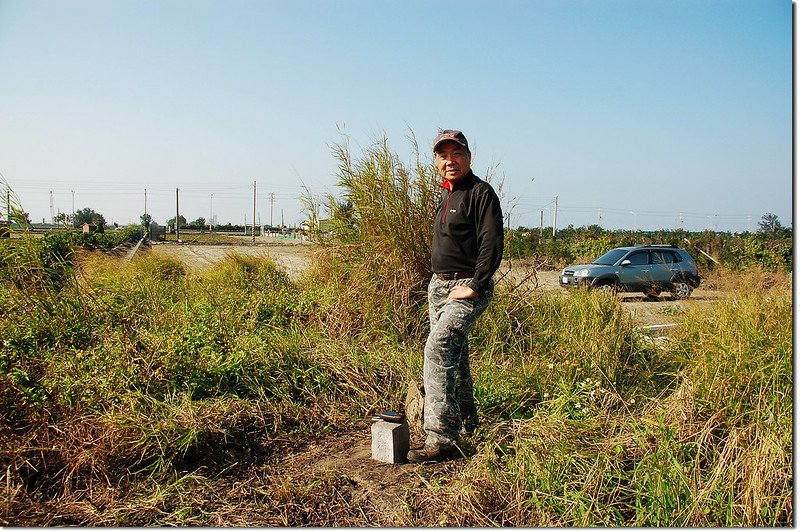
639,259
611,257
677,257
662,257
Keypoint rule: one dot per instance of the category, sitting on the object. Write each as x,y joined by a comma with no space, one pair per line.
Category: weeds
143,393
684,455
379,238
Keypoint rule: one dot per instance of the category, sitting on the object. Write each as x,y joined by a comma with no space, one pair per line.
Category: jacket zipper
448,186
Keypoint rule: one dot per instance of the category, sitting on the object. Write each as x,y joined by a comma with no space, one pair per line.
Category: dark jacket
468,231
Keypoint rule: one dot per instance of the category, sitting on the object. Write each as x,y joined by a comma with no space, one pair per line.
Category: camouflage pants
447,378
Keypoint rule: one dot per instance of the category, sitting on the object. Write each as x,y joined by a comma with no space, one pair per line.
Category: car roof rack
658,246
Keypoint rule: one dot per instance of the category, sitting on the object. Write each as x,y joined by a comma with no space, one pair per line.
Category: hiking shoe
432,454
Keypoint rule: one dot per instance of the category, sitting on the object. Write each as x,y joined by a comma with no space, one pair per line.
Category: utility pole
541,223
177,218
145,224
211,215
555,214
599,217
271,204
254,212
282,226
8,207
749,222
73,209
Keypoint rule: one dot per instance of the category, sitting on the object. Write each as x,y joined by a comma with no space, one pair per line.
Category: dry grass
751,279
145,394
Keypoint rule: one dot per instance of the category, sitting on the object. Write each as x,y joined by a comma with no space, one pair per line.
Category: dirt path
356,490
328,481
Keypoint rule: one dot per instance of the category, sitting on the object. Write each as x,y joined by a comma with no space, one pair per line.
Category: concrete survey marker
390,441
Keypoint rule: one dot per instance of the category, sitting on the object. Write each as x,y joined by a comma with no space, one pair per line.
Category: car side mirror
626,262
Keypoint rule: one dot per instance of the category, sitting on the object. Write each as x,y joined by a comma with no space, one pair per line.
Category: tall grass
587,421
701,436
533,346
140,387
377,247
160,369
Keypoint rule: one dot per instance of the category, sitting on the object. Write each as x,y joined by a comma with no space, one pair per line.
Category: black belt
452,276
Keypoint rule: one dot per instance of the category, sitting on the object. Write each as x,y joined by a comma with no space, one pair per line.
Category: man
466,251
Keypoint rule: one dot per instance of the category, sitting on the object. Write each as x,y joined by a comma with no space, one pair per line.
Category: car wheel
681,290
606,287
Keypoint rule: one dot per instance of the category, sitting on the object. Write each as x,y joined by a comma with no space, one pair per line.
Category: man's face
452,160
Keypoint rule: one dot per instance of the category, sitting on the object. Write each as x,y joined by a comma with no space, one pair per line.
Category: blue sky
637,113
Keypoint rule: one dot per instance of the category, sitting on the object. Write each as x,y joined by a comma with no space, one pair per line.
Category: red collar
449,185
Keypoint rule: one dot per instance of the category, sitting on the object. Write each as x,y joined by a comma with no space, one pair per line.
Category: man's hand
461,291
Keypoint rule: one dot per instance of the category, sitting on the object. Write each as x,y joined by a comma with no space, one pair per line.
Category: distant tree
146,220
594,229
769,223
63,218
99,222
199,223
89,216
181,221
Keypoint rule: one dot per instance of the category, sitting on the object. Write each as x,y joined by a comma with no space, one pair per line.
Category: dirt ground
360,491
